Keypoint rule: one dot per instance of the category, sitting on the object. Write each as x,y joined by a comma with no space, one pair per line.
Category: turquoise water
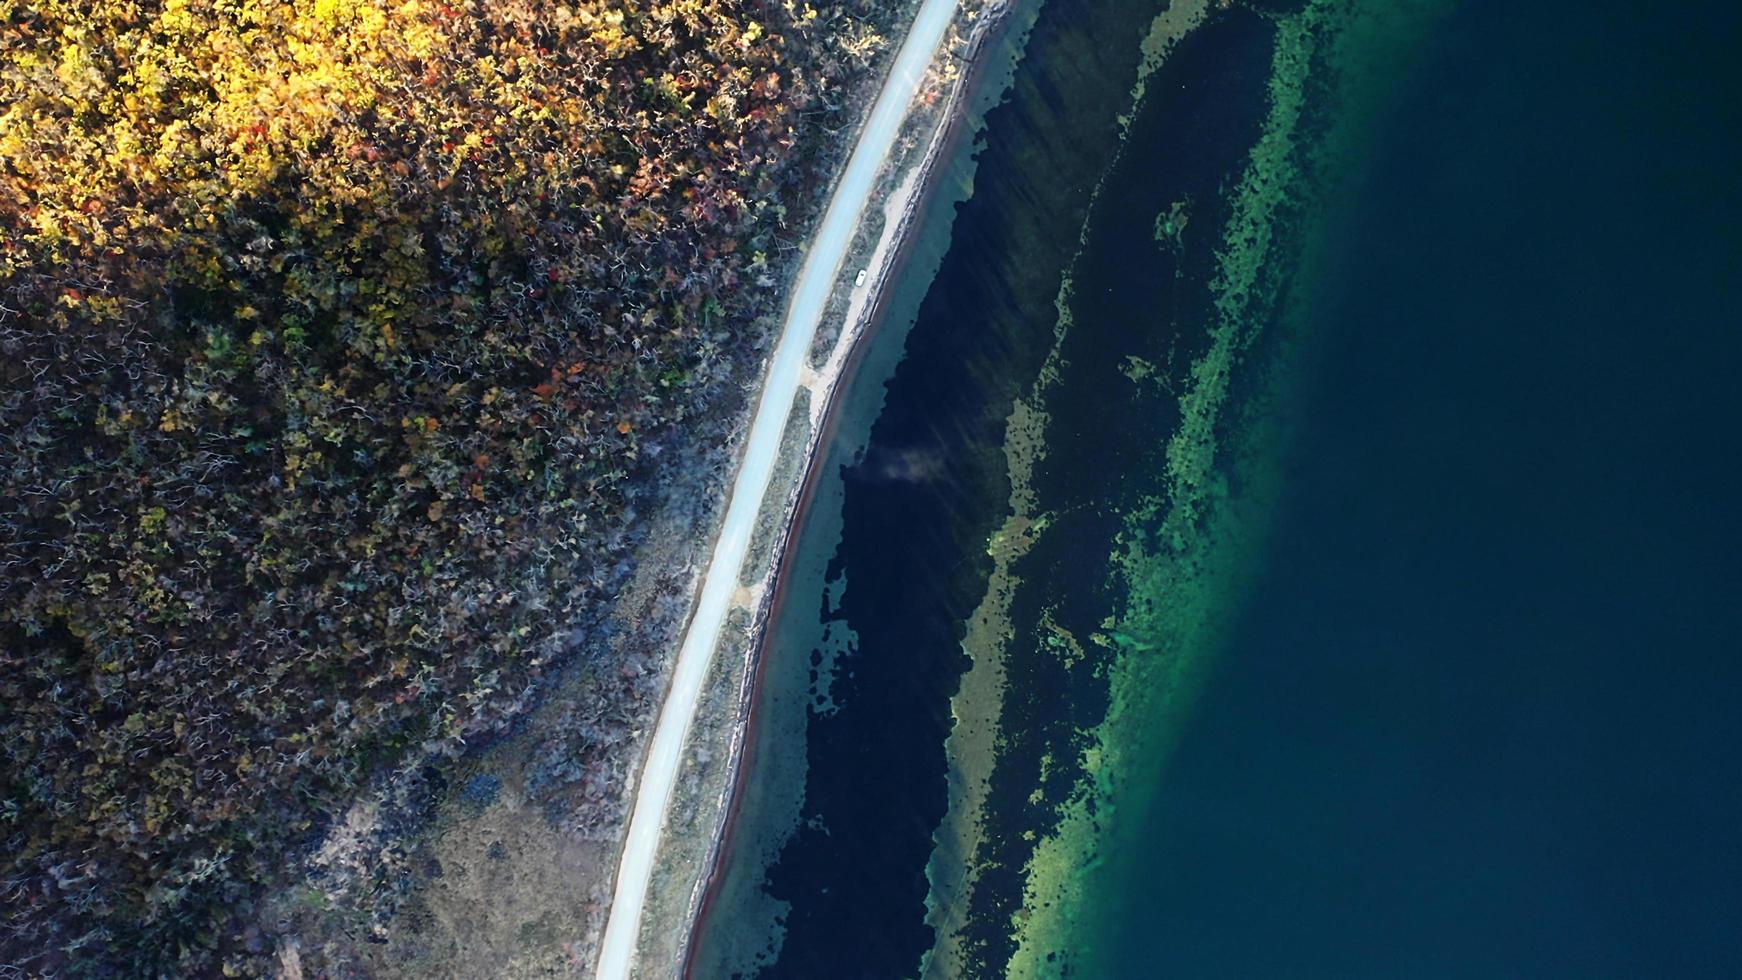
1292,531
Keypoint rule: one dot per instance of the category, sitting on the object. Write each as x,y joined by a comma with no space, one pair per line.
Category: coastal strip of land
914,182
788,372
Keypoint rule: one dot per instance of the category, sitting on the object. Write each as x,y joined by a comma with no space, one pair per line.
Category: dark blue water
1483,711
1480,711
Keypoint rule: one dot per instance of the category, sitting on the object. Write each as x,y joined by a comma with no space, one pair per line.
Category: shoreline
915,192
646,875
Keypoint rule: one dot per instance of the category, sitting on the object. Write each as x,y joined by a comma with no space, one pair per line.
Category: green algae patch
1165,31
1170,225
972,746
1182,552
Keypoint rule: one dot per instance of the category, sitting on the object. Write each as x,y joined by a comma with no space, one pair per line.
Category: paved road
815,280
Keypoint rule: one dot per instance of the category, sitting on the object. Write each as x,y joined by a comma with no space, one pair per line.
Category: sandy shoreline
900,210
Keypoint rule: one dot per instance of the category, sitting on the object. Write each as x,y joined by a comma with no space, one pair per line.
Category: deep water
1481,712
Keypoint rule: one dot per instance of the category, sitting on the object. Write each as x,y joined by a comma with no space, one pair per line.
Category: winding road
811,291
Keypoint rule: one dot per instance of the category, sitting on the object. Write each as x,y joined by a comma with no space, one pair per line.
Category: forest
332,333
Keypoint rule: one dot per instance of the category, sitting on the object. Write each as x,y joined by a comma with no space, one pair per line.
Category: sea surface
1287,524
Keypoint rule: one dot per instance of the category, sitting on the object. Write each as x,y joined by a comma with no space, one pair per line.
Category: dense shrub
329,332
